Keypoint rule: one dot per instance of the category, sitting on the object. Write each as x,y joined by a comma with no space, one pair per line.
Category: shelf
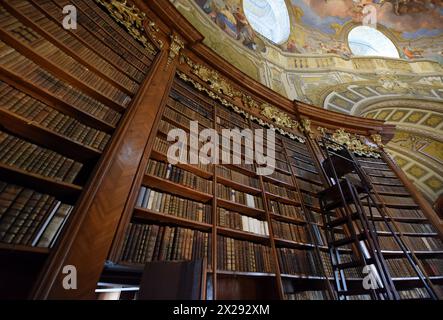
191,168
149,215
53,101
174,188
281,199
238,186
37,134
70,51
54,68
61,190
293,244
408,234
241,170
303,277
244,273
287,219
233,206
242,235
278,182
17,248
421,254
416,280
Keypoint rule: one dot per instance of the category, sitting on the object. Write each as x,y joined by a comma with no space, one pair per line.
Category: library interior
221,150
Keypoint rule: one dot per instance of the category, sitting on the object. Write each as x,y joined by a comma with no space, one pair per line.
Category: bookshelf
63,98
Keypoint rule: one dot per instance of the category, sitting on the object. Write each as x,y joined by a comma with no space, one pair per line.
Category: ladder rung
359,291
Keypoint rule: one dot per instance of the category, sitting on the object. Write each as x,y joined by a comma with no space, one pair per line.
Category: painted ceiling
321,26
315,65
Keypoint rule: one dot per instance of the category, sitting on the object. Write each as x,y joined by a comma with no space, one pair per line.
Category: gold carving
278,117
238,110
377,140
249,102
132,19
177,44
212,77
305,126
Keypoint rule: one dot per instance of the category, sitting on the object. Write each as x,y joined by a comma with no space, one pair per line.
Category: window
367,41
270,18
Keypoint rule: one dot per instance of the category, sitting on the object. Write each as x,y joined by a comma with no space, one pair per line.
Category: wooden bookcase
64,96
84,120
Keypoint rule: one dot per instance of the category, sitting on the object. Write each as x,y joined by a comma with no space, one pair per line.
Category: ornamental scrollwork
377,140
238,110
305,126
353,142
132,19
278,117
211,77
177,44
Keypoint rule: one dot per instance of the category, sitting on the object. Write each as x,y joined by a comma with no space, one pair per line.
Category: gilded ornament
132,19
177,44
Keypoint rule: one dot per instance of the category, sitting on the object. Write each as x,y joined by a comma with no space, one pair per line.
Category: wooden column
99,214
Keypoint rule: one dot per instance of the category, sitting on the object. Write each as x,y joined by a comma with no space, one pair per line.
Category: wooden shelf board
53,101
278,182
238,186
281,199
42,136
188,167
22,249
293,244
287,219
240,208
243,235
244,273
146,214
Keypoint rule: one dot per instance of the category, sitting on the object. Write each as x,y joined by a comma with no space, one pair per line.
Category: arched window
368,41
270,18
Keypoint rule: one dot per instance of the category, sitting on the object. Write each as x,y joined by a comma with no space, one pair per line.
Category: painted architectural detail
133,20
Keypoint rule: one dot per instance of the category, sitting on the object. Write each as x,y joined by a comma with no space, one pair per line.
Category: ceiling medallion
132,19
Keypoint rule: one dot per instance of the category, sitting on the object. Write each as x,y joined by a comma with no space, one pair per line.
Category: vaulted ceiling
315,64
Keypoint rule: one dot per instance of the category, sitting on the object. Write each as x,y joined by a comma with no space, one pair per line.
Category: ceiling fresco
321,26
